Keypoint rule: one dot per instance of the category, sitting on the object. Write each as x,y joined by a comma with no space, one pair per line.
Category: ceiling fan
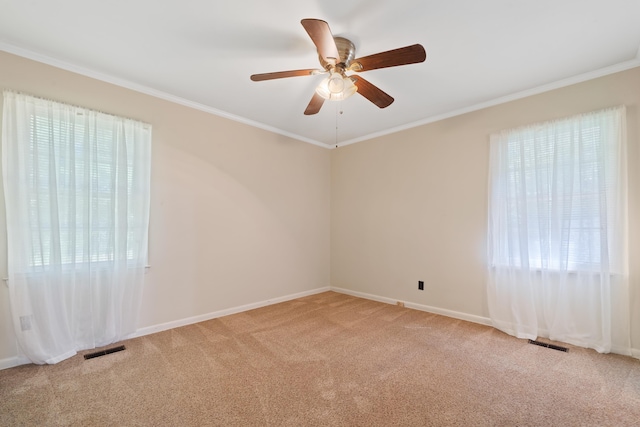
337,56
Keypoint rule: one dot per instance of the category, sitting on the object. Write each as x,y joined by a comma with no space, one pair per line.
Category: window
76,186
81,188
557,231
84,175
553,188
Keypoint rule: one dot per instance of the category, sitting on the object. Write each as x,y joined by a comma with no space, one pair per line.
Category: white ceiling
201,53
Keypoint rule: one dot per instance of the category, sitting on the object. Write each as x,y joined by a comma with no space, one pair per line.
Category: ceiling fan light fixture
336,87
337,55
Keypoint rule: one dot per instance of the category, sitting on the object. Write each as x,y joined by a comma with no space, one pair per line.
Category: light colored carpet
327,360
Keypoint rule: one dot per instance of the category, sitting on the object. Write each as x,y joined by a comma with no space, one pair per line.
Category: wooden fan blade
282,74
321,35
372,92
391,58
314,105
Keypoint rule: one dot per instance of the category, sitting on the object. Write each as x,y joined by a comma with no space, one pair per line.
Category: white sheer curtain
76,187
558,231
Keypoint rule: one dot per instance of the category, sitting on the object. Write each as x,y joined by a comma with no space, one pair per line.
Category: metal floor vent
103,352
544,344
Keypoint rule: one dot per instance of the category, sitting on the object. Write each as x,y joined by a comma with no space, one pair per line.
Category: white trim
429,309
225,312
12,362
461,316
623,66
148,91
181,101
625,351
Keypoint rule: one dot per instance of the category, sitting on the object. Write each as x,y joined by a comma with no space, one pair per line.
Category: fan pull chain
337,124
338,111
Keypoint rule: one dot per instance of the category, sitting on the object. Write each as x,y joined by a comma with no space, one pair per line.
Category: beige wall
413,205
241,215
238,215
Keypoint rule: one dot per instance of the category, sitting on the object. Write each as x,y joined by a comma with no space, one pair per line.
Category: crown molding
87,72
39,57
623,66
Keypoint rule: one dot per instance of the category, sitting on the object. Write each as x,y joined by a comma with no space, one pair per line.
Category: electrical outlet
420,285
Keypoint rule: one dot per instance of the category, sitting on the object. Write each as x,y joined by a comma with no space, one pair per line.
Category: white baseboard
213,315
450,313
436,310
12,362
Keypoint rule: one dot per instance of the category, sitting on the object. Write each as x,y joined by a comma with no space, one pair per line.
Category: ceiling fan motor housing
337,56
347,51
